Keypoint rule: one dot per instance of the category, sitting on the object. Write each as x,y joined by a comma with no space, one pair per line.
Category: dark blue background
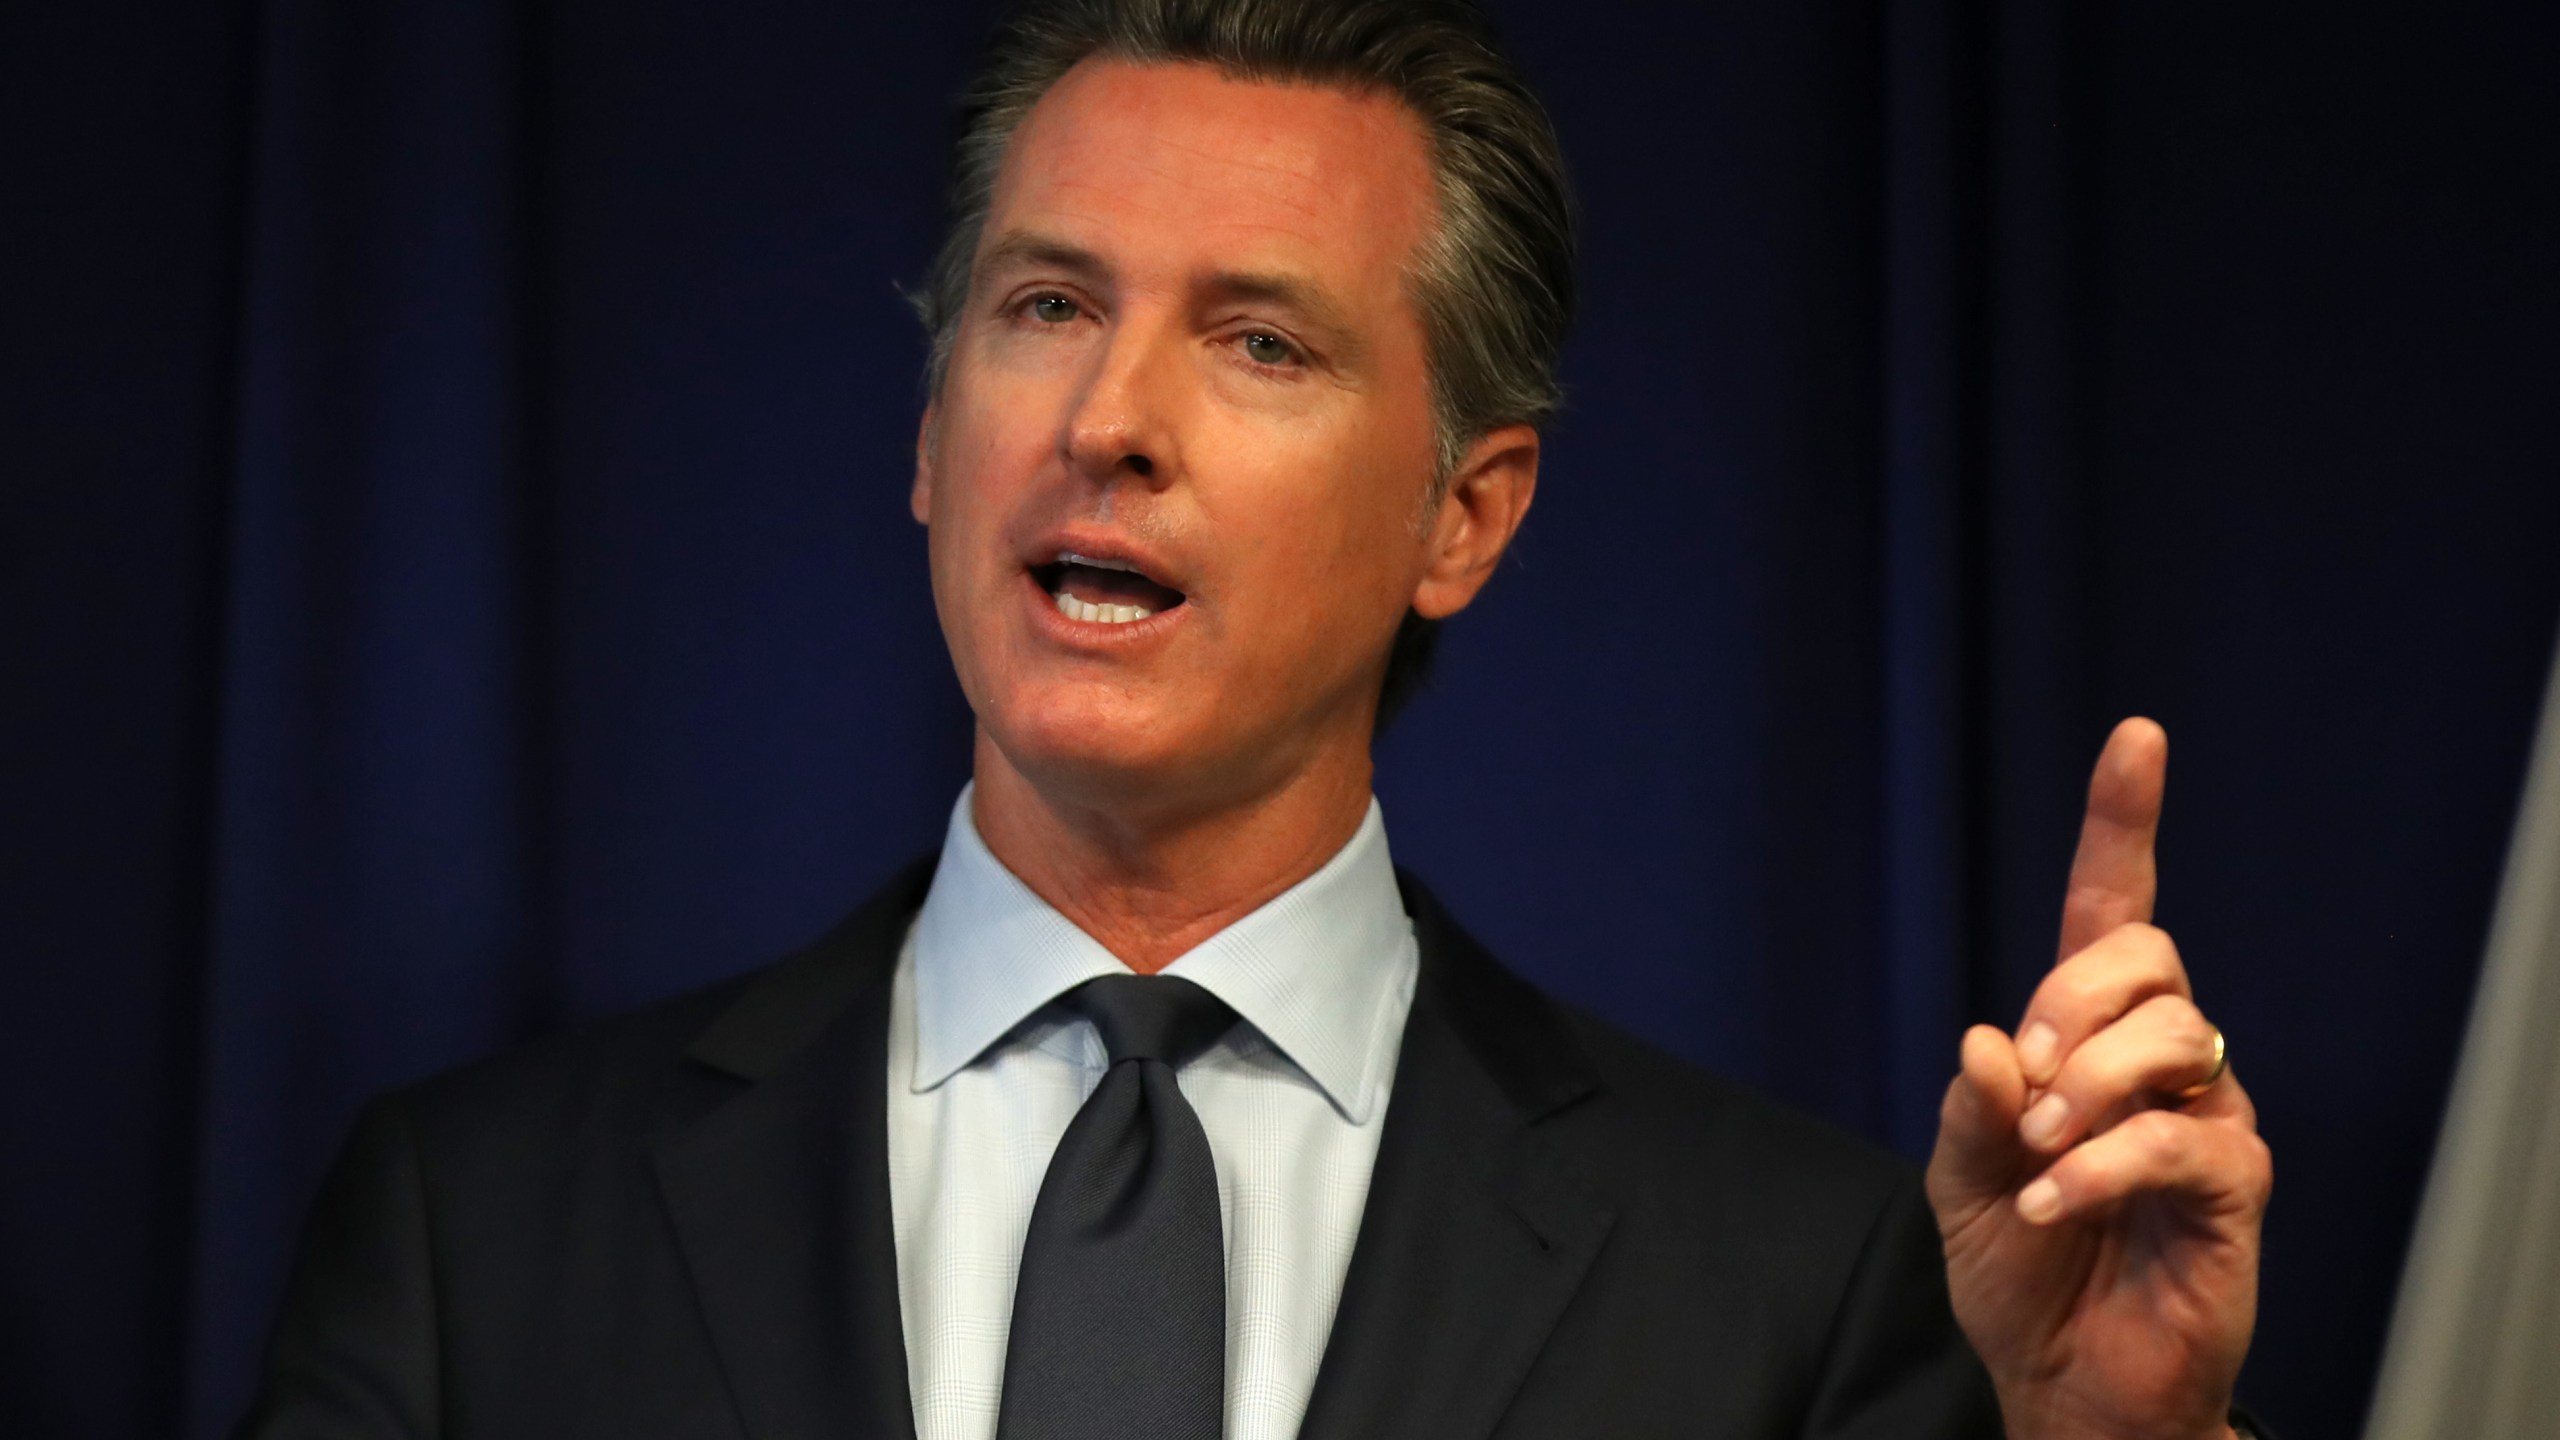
456,577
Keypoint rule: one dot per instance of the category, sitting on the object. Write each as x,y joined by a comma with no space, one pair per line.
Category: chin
1090,747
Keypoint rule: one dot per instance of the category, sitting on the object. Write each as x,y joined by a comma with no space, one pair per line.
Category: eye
1269,349
1055,309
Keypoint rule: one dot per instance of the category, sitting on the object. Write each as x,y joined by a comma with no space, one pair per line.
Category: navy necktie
1120,1311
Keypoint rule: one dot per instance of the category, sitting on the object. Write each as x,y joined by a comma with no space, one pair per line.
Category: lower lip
1094,634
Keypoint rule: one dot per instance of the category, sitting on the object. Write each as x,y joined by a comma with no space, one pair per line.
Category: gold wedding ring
2221,1062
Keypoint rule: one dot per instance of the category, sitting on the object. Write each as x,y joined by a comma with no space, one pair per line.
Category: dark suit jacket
677,1224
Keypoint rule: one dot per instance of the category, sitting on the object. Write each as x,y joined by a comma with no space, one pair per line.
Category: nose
1122,424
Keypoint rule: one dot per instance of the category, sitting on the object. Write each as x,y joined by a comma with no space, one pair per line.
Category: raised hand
2101,1211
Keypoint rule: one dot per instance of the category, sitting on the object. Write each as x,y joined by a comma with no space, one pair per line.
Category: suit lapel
780,1197
1474,1236
1473,1239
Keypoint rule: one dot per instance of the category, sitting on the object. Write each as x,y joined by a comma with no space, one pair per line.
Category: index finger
2114,878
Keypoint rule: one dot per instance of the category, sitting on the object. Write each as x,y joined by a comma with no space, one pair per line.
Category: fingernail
2036,1045
2040,1202
2042,1124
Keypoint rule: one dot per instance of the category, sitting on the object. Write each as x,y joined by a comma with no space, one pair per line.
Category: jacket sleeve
1896,1366
353,1354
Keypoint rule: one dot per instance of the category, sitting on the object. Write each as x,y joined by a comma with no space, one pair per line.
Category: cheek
1364,535
976,462
962,546
1334,564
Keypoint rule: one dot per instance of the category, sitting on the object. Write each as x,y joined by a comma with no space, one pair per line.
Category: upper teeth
1075,609
1069,557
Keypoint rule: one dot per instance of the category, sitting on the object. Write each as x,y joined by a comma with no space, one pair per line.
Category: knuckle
2181,1023
2156,952
2075,988
2134,961
2096,1074
2155,1137
2248,1168
2262,1161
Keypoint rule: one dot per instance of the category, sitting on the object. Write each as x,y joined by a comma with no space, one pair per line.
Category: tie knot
1153,1017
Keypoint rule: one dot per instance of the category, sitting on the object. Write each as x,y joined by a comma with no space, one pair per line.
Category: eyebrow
1289,292
1029,247
1032,249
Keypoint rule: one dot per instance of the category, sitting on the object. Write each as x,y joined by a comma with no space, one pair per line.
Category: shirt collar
1318,969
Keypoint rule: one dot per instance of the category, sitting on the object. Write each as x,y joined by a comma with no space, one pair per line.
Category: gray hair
1493,282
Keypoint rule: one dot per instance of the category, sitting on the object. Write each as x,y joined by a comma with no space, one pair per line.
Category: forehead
1181,159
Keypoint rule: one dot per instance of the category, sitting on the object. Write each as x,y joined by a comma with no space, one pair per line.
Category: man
1159,1103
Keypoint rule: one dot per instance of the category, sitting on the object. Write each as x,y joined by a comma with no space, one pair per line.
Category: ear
1488,497
920,495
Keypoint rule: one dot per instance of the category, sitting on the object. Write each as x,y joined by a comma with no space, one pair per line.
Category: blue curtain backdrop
456,576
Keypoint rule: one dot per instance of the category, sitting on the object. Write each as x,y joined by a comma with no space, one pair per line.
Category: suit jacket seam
406,1131
1848,1287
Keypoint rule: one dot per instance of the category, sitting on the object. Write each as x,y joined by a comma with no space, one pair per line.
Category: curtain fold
459,579
1986,601
377,843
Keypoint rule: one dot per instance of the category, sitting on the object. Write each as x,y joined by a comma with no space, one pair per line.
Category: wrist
2033,1413
2014,1430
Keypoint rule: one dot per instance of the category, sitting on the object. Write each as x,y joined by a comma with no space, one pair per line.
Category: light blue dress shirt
985,1073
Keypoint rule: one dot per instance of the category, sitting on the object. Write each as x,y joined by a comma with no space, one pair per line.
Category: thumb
1979,1158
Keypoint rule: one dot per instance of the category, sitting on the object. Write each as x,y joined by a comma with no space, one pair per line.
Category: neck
1151,882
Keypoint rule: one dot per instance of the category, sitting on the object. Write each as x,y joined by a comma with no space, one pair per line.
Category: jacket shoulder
1759,1263
1725,1145
633,1062
630,1076
1636,1113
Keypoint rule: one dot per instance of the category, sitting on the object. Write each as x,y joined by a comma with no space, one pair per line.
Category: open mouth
1103,592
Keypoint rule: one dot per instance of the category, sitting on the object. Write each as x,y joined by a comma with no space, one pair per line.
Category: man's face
1188,359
